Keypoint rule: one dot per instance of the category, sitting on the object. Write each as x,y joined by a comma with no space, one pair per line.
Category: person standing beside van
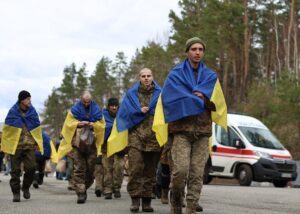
190,94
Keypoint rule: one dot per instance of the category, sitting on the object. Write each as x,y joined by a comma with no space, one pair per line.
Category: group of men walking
177,116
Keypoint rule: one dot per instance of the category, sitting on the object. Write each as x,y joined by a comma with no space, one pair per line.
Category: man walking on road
83,131
113,165
20,137
191,98
134,122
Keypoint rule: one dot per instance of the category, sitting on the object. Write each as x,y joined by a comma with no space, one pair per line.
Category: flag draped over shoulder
49,149
128,116
109,121
77,114
177,100
14,122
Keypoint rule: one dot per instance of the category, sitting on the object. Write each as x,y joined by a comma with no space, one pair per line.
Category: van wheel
245,175
278,183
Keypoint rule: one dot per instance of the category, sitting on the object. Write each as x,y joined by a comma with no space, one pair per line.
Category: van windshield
261,138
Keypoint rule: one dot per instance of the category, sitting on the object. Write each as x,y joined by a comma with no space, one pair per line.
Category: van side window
225,138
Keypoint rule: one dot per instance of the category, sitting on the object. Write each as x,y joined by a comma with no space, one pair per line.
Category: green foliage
246,44
119,69
101,81
154,57
81,80
279,108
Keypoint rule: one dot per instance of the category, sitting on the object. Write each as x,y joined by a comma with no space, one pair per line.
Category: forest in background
251,44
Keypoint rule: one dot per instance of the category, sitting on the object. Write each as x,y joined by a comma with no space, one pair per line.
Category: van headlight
263,155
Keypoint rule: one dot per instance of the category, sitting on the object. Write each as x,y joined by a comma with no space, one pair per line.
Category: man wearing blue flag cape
190,100
83,133
112,166
21,135
133,126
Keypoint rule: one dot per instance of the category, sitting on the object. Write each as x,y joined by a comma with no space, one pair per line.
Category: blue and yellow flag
109,121
177,100
49,149
14,122
128,116
78,113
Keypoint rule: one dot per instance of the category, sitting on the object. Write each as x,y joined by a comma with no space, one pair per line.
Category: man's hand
91,124
198,94
145,109
82,124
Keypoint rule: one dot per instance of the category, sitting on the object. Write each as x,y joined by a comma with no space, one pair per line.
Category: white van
248,151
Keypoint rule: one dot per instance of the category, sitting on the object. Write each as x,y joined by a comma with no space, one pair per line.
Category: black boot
135,204
117,194
35,184
199,208
98,193
146,205
81,198
16,197
26,193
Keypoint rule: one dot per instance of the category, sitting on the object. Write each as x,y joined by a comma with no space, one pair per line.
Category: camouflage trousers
98,173
189,156
84,166
113,172
27,157
142,171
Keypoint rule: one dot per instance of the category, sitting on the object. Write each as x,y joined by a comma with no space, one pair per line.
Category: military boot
135,204
191,208
117,194
164,196
35,184
199,208
81,198
26,193
176,202
98,193
146,205
16,197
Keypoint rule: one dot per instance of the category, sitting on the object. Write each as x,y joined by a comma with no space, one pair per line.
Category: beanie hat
113,102
23,95
192,41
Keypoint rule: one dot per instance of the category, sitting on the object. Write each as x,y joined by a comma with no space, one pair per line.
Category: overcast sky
39,38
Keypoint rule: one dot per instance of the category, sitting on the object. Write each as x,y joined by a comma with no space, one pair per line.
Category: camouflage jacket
141,136
26,140
193,126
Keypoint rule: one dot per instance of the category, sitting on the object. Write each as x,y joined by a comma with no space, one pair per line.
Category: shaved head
146,77
86,98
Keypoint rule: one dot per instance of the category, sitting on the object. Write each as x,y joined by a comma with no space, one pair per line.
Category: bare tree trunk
277,47
296,58
290,27
247,36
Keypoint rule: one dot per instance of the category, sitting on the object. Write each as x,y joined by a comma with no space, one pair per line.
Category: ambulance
248,151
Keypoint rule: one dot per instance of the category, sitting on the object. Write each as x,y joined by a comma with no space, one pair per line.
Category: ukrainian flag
109,121
177,100
129,115
77,114
49,149
14,122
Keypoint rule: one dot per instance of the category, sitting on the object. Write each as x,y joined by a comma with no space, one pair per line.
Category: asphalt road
53,197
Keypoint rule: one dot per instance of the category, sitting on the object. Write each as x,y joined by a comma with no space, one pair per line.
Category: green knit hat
192,41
